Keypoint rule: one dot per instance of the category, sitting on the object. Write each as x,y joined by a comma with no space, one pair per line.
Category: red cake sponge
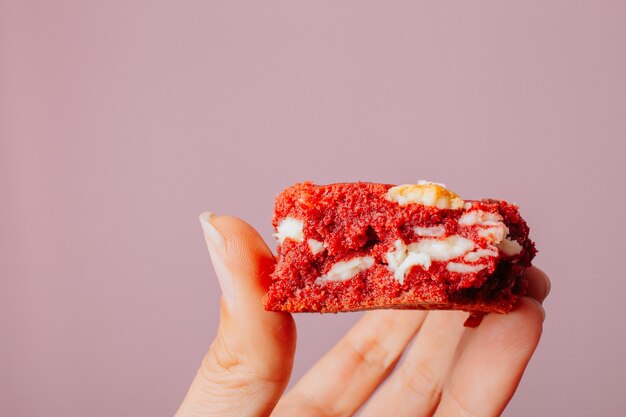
362,246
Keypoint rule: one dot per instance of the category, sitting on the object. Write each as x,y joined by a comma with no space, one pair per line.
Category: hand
448,370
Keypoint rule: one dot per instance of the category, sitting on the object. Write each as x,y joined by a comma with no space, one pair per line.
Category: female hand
449,370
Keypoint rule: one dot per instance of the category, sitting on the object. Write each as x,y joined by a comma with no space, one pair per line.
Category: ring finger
347,375
414,389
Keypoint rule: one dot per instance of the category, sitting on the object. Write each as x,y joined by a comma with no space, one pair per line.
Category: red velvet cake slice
361,246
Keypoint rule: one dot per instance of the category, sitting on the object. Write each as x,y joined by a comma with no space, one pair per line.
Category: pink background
120,121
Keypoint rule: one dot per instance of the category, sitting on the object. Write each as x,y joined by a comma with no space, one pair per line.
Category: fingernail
215,244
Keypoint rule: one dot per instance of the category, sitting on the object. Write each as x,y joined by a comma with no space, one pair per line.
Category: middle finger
347,375
414,390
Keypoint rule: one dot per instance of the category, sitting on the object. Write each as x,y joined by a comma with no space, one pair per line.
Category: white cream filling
494,234
400,260
315,246
491,226
433,231
510,247
344,270
427,198
480,253
493,230
480,218
424,252
463,268
443,249
426,193
289,228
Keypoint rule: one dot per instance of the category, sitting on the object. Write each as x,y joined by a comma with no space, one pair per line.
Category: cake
362,246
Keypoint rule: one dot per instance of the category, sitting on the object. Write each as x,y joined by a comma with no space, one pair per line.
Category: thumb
249,363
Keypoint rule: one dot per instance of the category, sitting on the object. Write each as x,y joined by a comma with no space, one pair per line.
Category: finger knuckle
370,352
308,405
234,369
224,366
462,408
419,379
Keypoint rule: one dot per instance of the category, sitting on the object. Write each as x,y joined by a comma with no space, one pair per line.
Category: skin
449,370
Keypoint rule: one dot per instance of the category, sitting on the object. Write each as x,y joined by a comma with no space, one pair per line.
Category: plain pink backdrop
121,121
